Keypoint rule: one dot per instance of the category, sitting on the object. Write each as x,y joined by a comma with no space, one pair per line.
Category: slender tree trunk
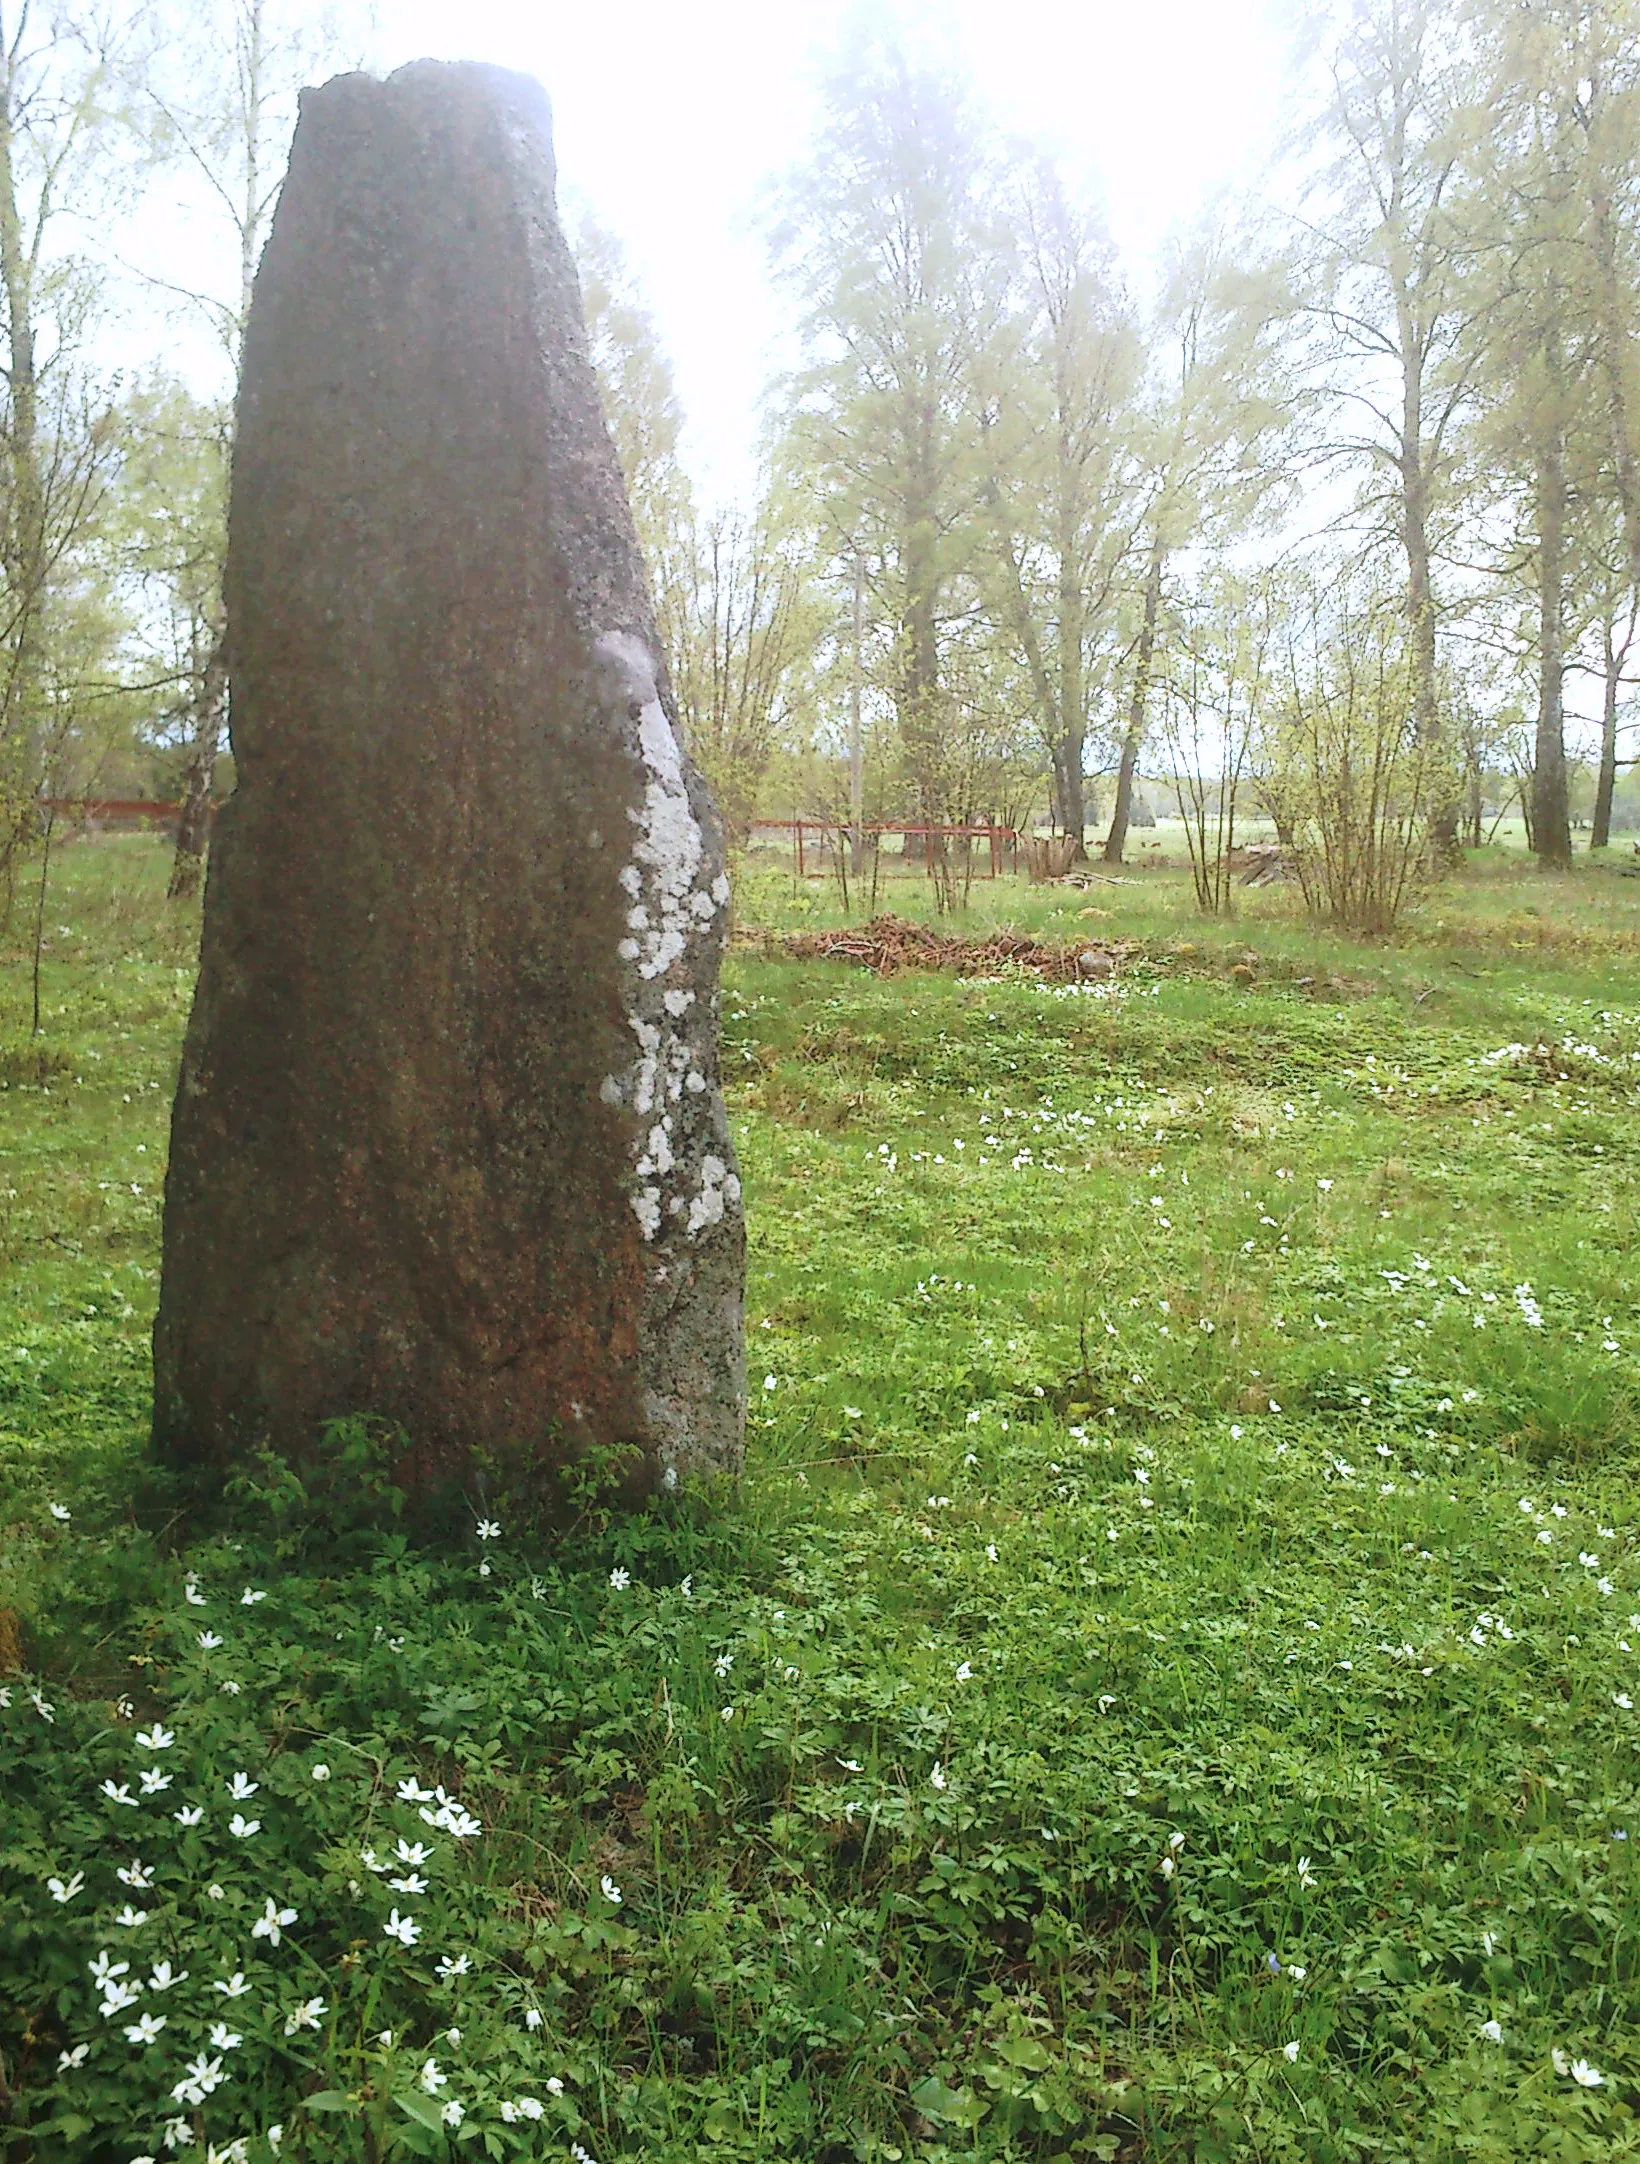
211,698
1420,597
251,56
22,526
1072,711
193,826
40,916
1061,693
919,715
1606,784
919,656
1614,361
856,731
1426,709
1551,818
1073,800
1122,810
1122,803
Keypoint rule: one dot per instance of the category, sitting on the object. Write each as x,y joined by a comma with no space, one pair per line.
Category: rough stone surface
448,1144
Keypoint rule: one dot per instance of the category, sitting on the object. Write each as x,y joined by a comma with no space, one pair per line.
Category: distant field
1499,895
1168,838
1168,1686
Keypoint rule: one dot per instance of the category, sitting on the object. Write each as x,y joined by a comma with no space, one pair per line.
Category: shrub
1353,788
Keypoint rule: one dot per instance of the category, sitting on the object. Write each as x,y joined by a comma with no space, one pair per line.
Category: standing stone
448,1145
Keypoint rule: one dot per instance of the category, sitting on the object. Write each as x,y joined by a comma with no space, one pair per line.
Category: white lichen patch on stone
718,1188
669,911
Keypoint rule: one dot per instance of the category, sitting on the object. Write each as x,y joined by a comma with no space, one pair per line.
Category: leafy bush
1354,789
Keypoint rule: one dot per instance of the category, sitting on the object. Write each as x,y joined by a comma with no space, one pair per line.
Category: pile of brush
889,944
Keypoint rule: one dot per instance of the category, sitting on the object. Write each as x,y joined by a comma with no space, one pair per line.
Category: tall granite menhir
448,1146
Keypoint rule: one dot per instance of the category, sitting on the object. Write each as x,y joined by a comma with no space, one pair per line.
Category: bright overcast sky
672,115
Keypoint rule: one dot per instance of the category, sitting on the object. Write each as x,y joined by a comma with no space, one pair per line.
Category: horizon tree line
1023,514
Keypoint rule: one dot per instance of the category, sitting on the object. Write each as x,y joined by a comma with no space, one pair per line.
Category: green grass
1180,1607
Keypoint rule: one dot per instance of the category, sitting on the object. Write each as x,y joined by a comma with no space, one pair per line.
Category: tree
1059,470
1384,271
887,237
746,635
1543,429
1215,692
731,594
63,73
1213,405
1618,617
646,422
169,530
1603,37
222,100
1352,779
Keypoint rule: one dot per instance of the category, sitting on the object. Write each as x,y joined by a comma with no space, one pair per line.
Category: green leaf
1026,2051
331,2100
410,2138
955,2107
422,2109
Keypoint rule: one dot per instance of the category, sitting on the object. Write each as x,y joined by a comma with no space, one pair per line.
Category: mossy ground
1184,1603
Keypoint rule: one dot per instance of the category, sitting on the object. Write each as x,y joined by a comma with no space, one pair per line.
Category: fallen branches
889,944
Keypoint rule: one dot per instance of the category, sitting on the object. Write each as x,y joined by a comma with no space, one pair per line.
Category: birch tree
645,420
1060,472
1389,299
733,600
1546,436
1214,412
886,237
64,76
222,103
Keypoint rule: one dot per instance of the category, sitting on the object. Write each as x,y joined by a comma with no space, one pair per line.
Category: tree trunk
193,827
1551,820
1122,804
919,657
1605,786
1426,712
1121,811
1073,801
1420,596
1072,710
48,823
1064,724
22,529
1614,340
856,732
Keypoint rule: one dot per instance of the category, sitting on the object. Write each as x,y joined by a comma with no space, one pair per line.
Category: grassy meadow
1168,1686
